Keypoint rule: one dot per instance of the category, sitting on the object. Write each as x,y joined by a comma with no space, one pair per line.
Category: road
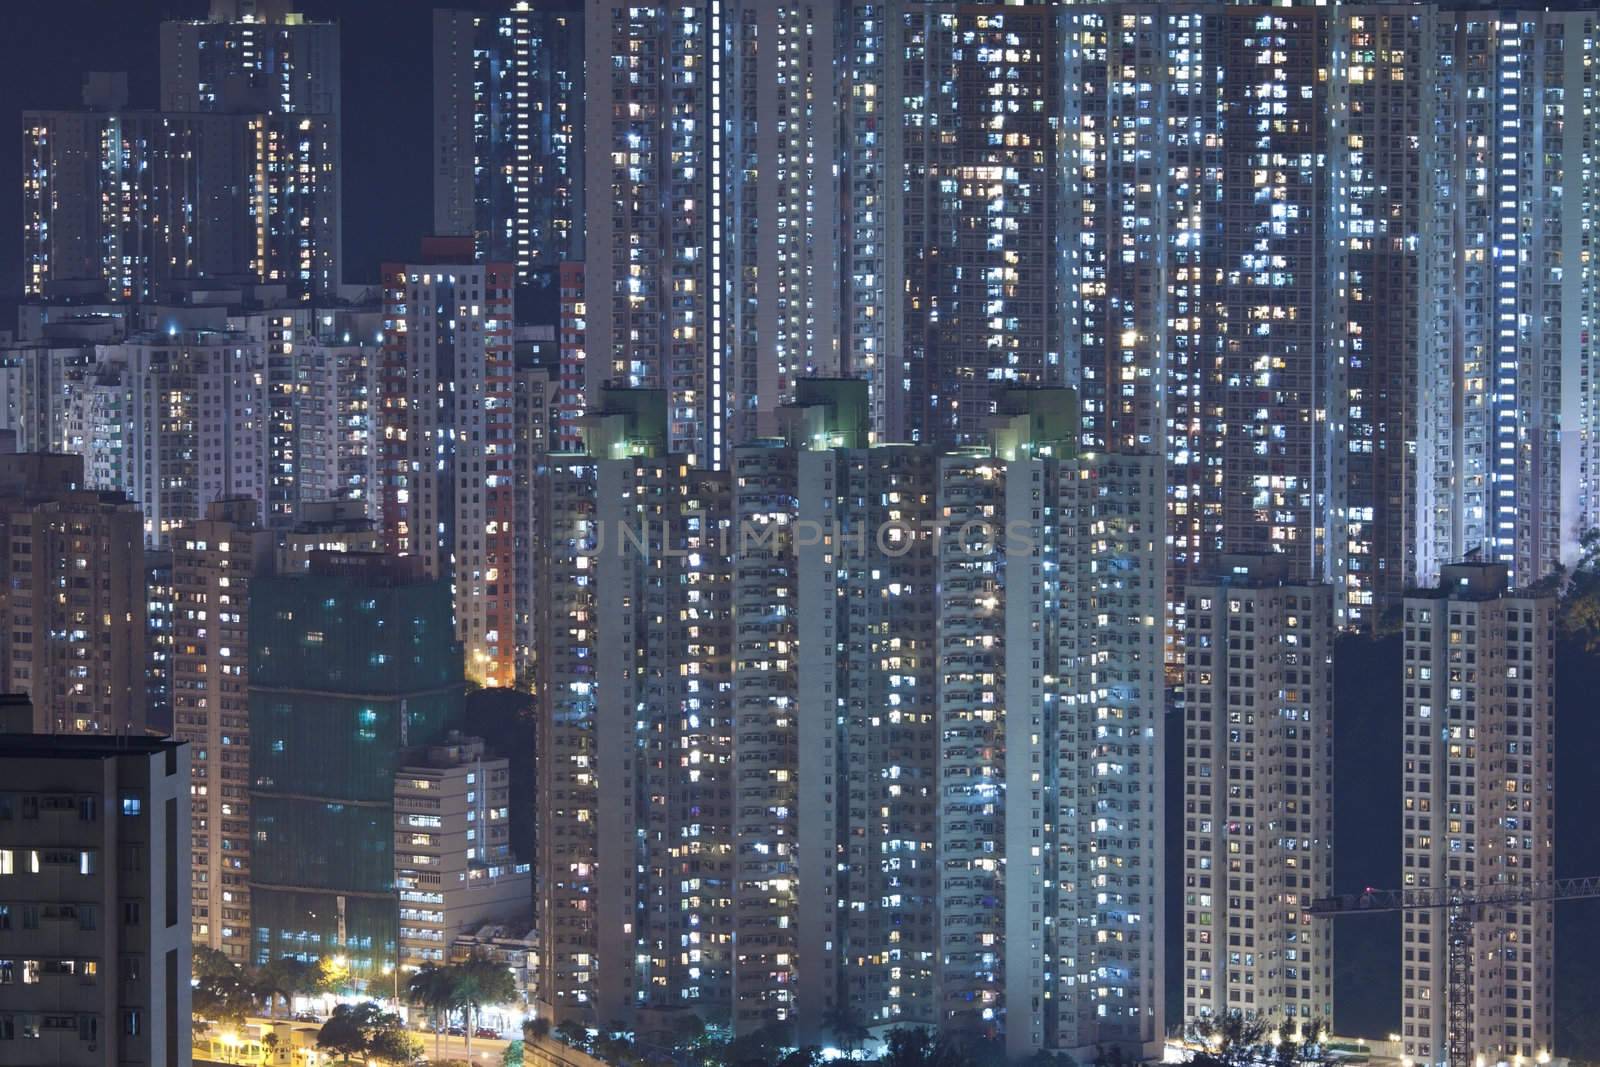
485,1050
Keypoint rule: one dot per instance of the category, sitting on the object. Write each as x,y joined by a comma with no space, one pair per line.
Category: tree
917,1048
333,974
394,1046
805,1056
433,989
342,1034
282,979
536,1029
1112,1057
208,962
353,1028
1049,1059
513,1055
223,999
573,1033
687,1033
1230,1040
613,1048
759,1047
479,981
848,1028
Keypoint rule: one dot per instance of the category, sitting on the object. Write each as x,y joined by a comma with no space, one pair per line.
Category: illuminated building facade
214,562
636,864
508,134
321,395
453,867
977,97
89,985
326,526
1358,359
262,58
836,747
250,55
572,326
711,217
138,199
75,598
193,426
1258,794
871,265
941,752
1506,456
447,438
535,404
1199,256
1479,809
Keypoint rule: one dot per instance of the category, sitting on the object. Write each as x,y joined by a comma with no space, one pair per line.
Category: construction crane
1465,905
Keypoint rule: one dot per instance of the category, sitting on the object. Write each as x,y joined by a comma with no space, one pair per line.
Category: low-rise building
453,867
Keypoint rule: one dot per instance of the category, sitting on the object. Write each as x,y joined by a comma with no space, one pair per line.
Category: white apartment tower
1508,432
1359,332
1258,794
194,427
1479,810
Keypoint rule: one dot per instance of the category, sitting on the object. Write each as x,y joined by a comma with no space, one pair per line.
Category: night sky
47,45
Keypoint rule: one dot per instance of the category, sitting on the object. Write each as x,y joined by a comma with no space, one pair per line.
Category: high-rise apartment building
928,685
136,200
237,172
1508,429
976,117
1327,323
75,599
452,849
192,426
508,131
1199,262
446,460
351,663
262,57
231,390
635,861
250,55
710,210
95,958
1479,812
321,386
158,639
536,391
1258,794
571,399
214,563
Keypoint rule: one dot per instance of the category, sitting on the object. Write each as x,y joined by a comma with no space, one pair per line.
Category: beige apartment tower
1479,810
1258,794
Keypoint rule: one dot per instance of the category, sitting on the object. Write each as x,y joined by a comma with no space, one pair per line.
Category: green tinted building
350,664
